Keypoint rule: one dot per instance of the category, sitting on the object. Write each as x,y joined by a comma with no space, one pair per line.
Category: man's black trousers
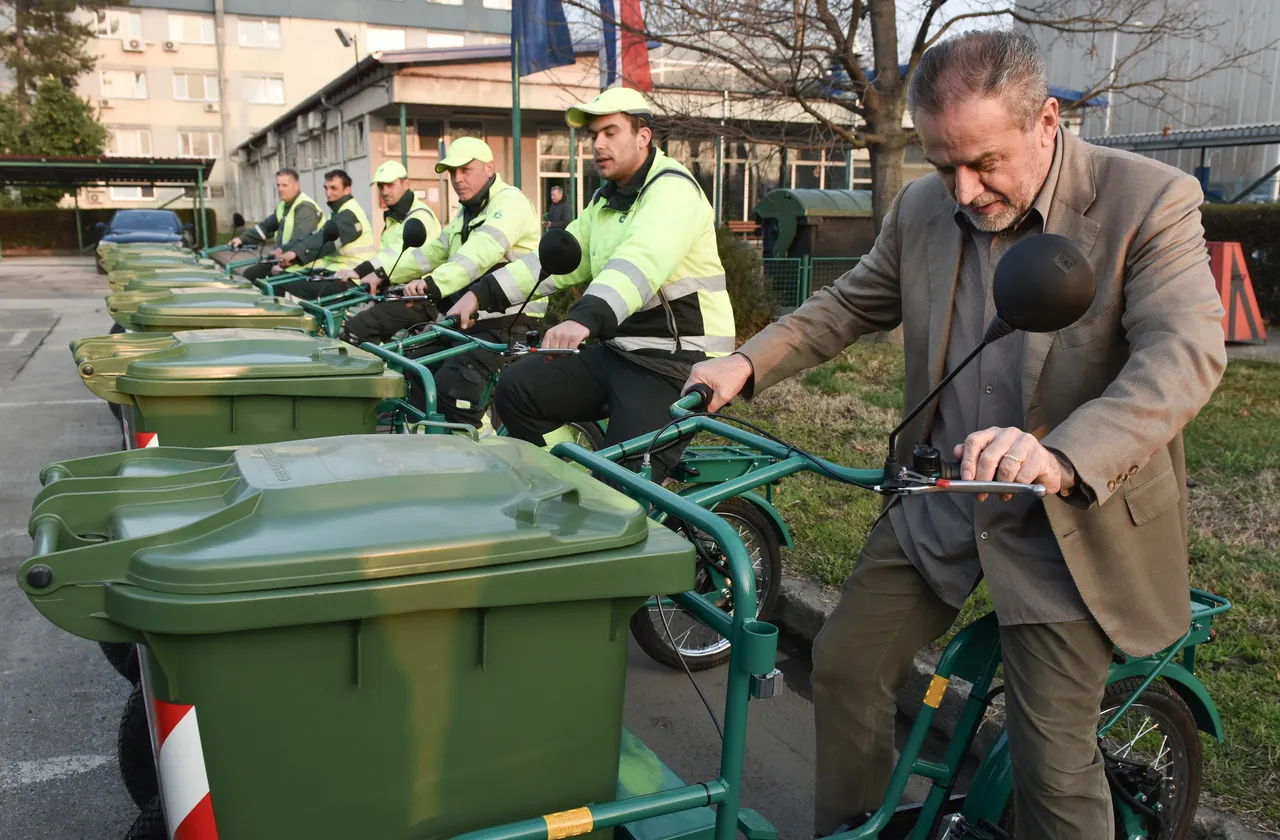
538,394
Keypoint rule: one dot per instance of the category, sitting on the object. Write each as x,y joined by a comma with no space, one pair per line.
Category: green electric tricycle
1149,718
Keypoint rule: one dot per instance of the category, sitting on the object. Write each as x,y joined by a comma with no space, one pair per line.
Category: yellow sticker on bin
569,823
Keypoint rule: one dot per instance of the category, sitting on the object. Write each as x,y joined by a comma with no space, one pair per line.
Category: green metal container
153,259
174,278
364,636
227,387
200,309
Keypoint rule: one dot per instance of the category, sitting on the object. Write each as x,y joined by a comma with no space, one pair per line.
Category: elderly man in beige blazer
1094,412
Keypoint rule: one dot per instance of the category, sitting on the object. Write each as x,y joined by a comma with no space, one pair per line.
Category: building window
129,142
264,90
445,39
498,4
356,141
190,29
124,84
128,193
199,144
331,146
195,87
260,34
447,2
210,191
116,23
381,40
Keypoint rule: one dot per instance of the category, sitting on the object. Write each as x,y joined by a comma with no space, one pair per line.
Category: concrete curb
802,609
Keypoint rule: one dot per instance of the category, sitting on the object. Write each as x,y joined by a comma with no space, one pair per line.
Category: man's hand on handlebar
464,311
1009,454
288,258
566,335
346,274
235,243
726,376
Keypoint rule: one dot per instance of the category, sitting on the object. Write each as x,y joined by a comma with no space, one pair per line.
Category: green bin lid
252,354
208,307
348,508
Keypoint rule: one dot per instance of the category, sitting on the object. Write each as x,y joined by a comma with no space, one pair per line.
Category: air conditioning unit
302,125
273,142
170,46
105,103
211,107
315,121
132,45
94,196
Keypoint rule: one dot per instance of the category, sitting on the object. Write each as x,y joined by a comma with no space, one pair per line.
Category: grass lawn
844,409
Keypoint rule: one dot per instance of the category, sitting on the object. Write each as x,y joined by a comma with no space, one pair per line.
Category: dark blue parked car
144,226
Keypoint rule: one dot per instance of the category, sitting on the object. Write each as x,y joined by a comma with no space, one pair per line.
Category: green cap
619,100
390,171
464,150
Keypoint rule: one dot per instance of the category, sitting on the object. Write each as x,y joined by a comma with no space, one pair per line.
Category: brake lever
913,484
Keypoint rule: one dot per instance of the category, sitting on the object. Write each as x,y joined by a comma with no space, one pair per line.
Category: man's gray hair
989,63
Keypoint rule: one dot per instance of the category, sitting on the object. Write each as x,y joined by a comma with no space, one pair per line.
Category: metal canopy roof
70,172
1260,134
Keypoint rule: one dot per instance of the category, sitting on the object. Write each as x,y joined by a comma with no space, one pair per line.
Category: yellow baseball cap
464,150
390,171
619,100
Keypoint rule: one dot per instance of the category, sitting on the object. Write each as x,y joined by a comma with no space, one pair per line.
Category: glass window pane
380,40
429,134
807,176
462,128
445,40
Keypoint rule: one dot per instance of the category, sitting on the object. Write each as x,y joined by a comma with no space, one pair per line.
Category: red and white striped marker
188,807
145,440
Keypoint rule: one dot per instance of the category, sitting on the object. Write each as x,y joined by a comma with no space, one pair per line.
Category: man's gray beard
1002,221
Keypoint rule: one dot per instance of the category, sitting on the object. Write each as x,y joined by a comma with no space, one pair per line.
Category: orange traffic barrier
1243,322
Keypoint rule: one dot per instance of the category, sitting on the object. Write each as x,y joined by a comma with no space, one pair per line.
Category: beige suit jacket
1112,392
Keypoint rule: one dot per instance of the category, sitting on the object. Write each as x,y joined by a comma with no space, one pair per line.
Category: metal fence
793,279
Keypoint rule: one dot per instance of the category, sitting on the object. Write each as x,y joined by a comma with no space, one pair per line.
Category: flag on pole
539,36
624,60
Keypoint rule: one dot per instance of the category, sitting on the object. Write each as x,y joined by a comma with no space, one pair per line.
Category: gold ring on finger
1013,458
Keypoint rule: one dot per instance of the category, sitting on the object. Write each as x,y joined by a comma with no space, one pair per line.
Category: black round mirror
1043,283
237,221
330,232
415,234
559,252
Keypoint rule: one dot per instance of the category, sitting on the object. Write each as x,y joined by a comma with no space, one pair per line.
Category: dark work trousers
313,289
257,271
380,322
461,380
540,393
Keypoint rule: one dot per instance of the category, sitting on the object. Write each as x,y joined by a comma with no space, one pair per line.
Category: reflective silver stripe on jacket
507,281
633,273
497,234
444,238
703,343
262,234
611,296
467,264
688,286
420,257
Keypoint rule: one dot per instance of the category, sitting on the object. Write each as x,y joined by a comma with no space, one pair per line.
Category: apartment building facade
196,78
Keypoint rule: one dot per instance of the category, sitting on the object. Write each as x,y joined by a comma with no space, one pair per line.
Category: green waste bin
227,387
816,223
173,278
200,309
156,259
363,636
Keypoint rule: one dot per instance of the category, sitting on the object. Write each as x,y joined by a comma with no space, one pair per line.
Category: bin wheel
699,645
150,823
124,658
587,435
133,751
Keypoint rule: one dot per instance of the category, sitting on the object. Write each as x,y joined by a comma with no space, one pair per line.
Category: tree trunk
886,181
20,72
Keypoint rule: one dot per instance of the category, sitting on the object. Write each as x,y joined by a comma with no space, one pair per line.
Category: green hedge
1257,228
55,230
